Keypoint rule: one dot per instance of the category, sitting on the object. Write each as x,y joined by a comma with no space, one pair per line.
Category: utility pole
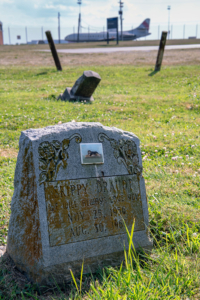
59,28
169,7
121,17
9,35
26,35
79,19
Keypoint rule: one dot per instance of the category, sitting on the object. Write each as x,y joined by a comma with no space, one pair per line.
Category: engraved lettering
78,188
82,215
112,189
117,187
105,186
78,230
85,187
99,187
68,188
72,233
62,193
70,217
130,184
72,189
92,208
83,231
124,184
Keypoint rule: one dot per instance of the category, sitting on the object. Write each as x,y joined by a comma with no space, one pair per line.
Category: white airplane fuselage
141,31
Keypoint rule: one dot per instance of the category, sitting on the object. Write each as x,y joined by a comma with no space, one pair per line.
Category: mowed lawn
163,111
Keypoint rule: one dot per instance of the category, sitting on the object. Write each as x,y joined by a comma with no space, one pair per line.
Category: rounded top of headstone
91,74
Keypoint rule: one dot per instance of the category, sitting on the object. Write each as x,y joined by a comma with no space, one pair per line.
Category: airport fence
24,35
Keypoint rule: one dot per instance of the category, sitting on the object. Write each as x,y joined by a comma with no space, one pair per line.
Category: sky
38,13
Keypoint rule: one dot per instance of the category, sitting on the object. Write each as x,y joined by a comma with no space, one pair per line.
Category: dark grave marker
83,88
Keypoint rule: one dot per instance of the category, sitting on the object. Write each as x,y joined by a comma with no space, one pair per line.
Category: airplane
140,31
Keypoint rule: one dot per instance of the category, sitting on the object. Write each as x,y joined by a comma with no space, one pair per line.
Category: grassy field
163,111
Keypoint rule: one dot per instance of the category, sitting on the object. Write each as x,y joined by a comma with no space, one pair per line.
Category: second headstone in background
83,88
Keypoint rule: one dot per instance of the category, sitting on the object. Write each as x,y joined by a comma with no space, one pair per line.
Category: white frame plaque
91,153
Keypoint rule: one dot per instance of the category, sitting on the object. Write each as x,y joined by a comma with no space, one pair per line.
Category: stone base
60,274
67,96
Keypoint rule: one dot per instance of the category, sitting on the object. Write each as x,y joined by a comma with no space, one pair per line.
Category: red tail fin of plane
145,24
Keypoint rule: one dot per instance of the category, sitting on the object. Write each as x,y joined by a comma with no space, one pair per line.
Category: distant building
35,42
1,33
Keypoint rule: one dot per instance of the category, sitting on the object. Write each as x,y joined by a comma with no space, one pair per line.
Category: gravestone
75,186
83,88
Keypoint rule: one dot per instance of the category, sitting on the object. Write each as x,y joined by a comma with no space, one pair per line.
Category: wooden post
53,50
161,51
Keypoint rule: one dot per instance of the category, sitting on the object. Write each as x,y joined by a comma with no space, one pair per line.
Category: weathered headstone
83,88
74,184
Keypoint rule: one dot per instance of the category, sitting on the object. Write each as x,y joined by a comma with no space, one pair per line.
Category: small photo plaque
91,153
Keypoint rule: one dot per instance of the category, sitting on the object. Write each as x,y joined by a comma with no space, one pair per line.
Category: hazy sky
94,12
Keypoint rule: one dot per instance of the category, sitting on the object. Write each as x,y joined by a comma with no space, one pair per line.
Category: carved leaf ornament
52,156
125,151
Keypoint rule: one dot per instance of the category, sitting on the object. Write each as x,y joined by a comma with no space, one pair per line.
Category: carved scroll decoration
125,151
52,156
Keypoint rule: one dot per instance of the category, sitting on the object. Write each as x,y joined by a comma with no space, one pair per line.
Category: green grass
163,111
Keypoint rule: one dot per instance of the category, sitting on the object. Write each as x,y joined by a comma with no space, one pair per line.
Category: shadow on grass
153,73
15,285
51,97
42,73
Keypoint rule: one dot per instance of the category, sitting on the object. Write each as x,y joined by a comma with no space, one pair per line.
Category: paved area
125,49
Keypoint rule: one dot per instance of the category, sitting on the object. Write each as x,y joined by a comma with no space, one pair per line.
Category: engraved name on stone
91,208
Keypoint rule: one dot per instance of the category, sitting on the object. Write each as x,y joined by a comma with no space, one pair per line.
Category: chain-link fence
23,35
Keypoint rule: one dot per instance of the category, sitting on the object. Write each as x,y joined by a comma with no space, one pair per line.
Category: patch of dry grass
8,153
28,55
